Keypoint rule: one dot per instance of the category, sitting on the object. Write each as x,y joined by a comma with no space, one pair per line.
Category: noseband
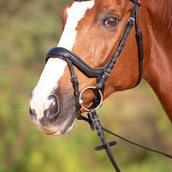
101,76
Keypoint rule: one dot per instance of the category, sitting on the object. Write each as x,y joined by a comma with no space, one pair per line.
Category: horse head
92,30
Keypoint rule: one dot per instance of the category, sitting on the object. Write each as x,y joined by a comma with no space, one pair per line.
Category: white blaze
54,68
74,15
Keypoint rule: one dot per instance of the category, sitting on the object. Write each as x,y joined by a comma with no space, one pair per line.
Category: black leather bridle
101,75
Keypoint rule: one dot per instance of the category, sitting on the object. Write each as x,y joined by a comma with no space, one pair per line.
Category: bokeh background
28,29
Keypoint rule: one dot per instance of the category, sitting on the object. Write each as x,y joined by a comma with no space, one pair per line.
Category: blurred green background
28,29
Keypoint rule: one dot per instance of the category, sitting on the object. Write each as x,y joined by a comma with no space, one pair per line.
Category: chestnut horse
92,30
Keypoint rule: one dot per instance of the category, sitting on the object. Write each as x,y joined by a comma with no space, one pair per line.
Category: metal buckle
131,18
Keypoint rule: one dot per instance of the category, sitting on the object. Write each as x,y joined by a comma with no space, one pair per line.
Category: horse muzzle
50,108
49,117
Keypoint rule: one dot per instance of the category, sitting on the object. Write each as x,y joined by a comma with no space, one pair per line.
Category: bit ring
92,88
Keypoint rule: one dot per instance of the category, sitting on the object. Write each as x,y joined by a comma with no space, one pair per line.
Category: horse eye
111,21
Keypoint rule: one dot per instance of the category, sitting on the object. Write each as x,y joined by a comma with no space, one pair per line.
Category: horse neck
158,70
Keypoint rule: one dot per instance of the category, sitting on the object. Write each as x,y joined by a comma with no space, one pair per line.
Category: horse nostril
52,112
32,113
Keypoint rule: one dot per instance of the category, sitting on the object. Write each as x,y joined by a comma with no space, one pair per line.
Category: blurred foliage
28,28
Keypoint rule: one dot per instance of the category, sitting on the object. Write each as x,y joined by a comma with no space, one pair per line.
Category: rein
101,75
94,122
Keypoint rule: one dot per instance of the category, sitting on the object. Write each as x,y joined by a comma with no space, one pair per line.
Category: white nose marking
47,83
54,68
